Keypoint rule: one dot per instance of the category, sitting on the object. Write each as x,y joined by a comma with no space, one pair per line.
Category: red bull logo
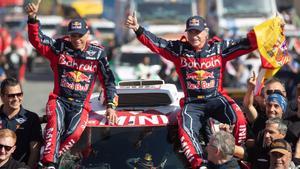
77,76
200,75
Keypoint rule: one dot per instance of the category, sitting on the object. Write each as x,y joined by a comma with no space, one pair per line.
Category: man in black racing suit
76,63
200,64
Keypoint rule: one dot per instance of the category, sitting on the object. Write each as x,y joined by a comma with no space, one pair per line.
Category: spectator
143,69
220,151
25,123
7,147
293,123
281,155
257,116
13,62
23,48
173,79
293,105
76,64
258,155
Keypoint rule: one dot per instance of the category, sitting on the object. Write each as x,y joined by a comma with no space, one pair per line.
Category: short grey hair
282,127
225,142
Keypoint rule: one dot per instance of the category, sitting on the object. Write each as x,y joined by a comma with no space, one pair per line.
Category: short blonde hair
8,133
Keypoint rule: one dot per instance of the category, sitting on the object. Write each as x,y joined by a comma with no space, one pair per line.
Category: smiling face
197,38
79,41
7,147
273,109
12,97
279,160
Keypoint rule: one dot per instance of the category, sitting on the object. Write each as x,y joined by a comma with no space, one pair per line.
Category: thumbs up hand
131,22
32,8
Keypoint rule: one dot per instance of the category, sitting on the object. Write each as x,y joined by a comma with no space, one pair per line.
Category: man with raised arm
76,63
200,64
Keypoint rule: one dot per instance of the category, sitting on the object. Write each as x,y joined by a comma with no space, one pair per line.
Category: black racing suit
200,74
75,73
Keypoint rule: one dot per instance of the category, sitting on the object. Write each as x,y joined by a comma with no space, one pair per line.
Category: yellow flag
272,47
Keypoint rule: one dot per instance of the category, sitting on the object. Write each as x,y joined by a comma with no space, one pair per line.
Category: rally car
145,135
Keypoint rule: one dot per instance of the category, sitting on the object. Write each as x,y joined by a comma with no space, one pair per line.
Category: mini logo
20,120
91,53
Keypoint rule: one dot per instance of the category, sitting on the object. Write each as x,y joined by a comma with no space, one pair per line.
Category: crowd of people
262,133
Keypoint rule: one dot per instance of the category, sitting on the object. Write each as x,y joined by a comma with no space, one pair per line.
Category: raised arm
42,43
250,110
163,47
132,22
235,48
32,9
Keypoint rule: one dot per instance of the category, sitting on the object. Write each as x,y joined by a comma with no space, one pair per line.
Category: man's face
7,147
197,38
212,151
279,160
271,133
12,97
273,109
79,41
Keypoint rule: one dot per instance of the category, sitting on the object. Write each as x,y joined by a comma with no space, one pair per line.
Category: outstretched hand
132,22
32,8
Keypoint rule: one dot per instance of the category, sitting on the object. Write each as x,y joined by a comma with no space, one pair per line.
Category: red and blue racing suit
75,72
200,74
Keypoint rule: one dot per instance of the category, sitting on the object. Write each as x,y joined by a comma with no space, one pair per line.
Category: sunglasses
14,95
7,148
276,91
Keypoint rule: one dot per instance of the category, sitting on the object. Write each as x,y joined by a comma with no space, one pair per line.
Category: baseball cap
77,26
196,23
281,146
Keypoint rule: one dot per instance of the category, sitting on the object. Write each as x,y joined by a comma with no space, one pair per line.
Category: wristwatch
111,105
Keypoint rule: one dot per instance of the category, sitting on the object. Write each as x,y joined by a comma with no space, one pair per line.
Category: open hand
131,22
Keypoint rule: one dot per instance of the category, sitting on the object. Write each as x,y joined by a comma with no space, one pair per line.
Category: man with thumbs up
76,63
200,64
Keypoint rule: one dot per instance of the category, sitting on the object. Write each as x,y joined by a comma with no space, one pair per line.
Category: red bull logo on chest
200,75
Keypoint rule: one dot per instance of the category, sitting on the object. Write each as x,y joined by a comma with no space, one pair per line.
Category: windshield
164,12
244,8
125,148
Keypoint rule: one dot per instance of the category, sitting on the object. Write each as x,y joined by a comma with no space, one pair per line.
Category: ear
13,149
